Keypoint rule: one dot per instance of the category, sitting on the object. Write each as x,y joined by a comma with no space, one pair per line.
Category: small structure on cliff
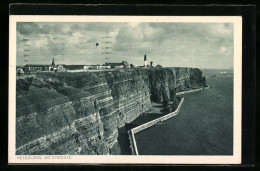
145,61
34,67
96,67
19,71
53,62
151,64
123,64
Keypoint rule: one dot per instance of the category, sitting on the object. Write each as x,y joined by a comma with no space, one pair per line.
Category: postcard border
114,159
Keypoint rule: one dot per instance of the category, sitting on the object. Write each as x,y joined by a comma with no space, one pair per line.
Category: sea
204,125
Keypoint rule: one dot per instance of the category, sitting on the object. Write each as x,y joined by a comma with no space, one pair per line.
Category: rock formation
80,113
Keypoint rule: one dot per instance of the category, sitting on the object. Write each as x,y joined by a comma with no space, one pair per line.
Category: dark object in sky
97,44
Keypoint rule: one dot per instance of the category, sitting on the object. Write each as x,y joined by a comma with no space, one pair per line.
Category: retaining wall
155,121
147,125
191,91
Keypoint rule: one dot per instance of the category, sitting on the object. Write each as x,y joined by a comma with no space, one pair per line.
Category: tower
145,61
53,63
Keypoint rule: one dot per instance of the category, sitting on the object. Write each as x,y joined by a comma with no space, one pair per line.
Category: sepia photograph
122,89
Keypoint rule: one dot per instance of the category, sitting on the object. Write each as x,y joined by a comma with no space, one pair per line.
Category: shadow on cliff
123,140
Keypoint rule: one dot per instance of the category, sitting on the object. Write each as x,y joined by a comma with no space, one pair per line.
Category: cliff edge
80,113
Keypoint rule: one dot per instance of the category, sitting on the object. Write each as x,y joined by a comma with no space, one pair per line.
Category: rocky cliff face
80,113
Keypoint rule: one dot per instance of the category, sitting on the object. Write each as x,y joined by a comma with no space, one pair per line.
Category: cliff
80,113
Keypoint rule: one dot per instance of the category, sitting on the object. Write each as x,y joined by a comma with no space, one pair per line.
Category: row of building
108,65
29,68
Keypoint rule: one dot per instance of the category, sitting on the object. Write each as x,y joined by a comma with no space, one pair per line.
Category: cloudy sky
202,45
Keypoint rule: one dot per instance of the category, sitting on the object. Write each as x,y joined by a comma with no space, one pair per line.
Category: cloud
170,44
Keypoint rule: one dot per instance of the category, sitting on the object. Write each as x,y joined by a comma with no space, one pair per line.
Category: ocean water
217,72
204,125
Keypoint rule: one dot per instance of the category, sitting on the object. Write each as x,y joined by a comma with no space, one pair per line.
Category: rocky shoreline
81,113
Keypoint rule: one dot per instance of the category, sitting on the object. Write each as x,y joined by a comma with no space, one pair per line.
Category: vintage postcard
125,89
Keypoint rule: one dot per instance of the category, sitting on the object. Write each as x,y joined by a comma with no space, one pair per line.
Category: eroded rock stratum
80,113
